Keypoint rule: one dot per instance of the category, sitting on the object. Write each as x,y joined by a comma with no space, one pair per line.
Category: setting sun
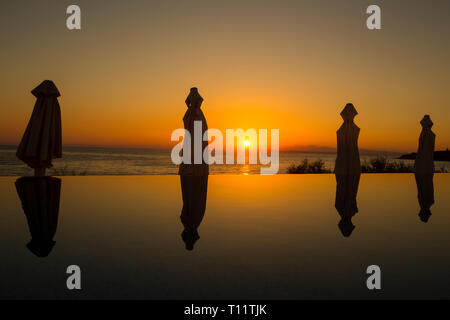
246,143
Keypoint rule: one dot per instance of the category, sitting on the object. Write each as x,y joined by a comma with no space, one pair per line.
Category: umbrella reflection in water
40,202
345,204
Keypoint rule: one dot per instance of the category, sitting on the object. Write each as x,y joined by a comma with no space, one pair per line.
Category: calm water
261,237
113,161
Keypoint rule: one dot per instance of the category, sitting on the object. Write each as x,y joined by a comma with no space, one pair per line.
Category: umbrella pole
39,172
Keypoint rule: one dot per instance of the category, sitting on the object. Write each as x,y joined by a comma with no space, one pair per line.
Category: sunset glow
124,77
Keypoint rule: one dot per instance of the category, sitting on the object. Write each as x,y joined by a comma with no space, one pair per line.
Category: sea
78,161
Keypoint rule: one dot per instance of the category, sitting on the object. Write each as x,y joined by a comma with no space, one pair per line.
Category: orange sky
288,65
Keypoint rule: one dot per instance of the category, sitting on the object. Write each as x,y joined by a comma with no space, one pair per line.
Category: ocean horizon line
306,149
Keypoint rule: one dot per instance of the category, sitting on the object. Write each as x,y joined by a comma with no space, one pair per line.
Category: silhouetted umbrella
194,101
347,160
425,153
42,140
40,202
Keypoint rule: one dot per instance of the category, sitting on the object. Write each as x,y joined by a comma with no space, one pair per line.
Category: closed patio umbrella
425,153
194,101
347,160
42,140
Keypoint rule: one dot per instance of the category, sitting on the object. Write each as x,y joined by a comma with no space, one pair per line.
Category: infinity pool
261,237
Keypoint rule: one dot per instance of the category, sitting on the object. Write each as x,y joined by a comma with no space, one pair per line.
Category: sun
246,143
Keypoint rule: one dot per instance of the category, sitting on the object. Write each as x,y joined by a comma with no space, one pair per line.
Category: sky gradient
288,65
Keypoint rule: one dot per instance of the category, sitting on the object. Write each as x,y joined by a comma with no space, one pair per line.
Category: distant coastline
93,161
438,156
298,149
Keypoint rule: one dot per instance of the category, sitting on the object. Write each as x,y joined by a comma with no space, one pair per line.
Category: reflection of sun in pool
246,143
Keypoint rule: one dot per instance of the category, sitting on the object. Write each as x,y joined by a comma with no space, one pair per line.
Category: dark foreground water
261,237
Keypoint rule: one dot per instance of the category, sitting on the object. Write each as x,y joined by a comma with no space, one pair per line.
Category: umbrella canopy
347,160
194,101
425,153
42,139
40,202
